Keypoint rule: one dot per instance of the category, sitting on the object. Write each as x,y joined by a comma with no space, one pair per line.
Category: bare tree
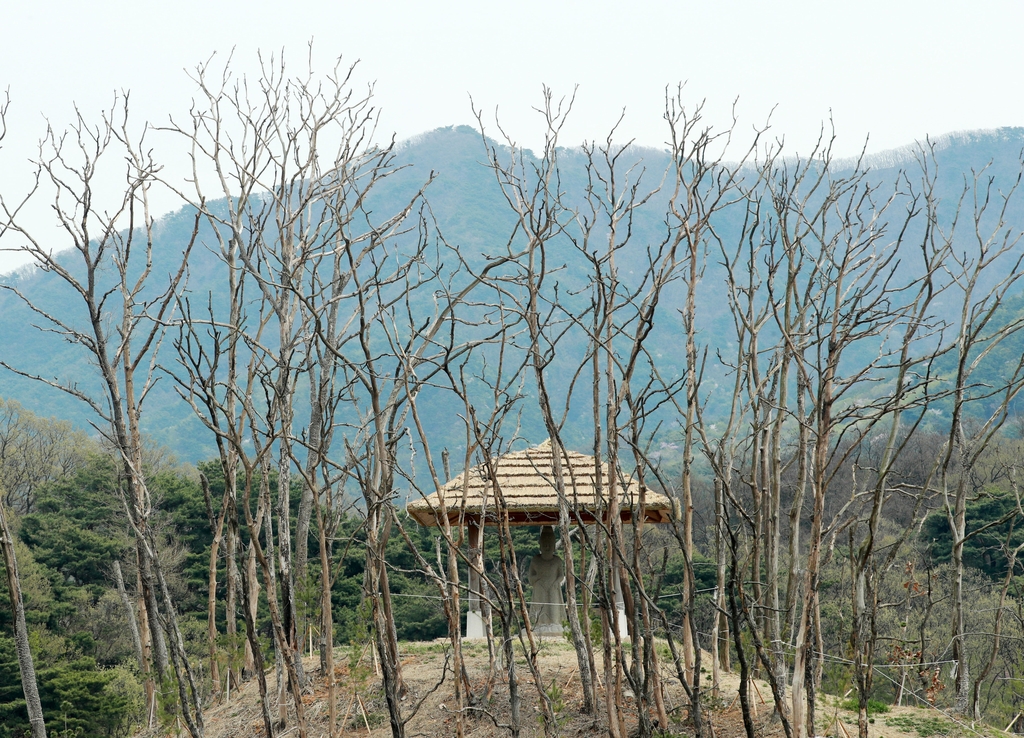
118,327
903,409
533,193
981,243
335,285
617,323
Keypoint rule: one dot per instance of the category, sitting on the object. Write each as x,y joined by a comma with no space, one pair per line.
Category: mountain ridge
468,207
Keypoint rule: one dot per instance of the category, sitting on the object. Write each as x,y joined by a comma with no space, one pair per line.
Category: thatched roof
527,488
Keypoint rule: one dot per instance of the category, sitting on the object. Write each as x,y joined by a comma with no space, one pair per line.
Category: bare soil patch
362,710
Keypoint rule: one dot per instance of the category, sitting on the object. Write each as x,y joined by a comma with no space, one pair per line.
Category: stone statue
547,572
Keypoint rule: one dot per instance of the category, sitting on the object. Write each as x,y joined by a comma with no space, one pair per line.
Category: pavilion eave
493,518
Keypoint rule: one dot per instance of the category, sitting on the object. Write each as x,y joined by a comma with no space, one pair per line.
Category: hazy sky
896,70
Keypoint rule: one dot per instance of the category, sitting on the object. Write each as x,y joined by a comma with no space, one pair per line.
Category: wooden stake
1015,718
842,727
362,709
348,712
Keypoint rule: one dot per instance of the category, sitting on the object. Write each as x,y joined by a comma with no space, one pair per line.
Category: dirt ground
362,710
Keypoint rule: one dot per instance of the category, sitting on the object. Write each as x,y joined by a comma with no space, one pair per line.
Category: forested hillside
819,360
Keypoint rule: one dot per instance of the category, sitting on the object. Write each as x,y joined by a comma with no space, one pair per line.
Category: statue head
547,542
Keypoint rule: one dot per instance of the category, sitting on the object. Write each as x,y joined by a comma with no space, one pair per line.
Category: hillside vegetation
70,536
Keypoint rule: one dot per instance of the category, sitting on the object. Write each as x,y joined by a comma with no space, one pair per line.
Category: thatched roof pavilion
527,484
523,484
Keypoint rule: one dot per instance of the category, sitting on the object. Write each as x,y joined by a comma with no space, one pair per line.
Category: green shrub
875,707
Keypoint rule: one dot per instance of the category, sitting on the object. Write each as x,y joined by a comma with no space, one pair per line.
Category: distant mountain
471,212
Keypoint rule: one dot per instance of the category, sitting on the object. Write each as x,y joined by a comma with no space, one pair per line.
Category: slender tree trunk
327,623
692,365
217,525
286,576
744,695
141,651
583,654
29,687
255,650
145,636
133,624
231,598
721,641
250,607
147,595
376,587
773,633
962,681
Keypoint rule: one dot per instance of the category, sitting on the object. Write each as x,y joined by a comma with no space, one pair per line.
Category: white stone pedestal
475,625
623,625
549,630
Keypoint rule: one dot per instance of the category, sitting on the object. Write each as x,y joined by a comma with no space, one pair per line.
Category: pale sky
894,70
